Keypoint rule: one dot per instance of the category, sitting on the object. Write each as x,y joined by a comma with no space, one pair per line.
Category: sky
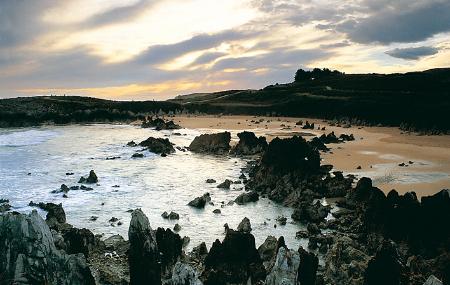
158,49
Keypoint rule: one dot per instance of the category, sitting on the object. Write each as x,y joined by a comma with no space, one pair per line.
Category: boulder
92,178
158,145
218,143
245,226
285,268
307,212
55,213
137,155
247,197
200,202
210,180
268,249
28,254
249,144
233,261
225,185
143,258
159,124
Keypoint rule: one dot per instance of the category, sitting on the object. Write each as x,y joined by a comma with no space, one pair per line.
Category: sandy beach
378,150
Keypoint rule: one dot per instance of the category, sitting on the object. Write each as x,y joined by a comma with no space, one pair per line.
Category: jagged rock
211,143
185,274
307,270
210,180
385,267
225,185
174,216
247,197
199,252
169,245
307,212
282,220
284,271
200,202
186,240
345,137
432,280
176,228
64,188
345,263
244,226
92,178
79,241
4,205
318,144
145,267
159,124
132,144
268,249
28,254
234,261
249,144
55,213
158,145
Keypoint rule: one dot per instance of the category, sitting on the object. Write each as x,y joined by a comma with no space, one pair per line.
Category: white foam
24,138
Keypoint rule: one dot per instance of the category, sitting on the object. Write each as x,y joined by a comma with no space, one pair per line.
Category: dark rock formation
28,254
200,202
385,267
137,155
235,260
169,246
245,226
145,267
79,241
249,144
307,269
247,197
210,180
92,178
307,212
268,249
159,124
158,145
55,213
211,143
225,185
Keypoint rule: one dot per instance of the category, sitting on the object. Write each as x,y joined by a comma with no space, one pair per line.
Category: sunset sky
152,49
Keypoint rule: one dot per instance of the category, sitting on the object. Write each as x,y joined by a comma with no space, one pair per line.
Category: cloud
413,22
412,53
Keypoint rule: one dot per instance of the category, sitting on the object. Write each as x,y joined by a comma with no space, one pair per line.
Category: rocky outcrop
185,274
247,197
92,178
385,267
249,144
345,263
158,145
145,267
4,205
200,202
169,246
79,241
233,261
28,254
307,269
55,213
285,269
307,212
225,185
218,143
159,124
268,249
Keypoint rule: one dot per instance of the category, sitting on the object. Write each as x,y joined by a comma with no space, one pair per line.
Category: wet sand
378,150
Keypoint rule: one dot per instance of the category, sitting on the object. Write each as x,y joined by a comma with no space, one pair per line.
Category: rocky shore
362,237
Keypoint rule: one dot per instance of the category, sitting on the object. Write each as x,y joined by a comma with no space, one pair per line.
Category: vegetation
417,101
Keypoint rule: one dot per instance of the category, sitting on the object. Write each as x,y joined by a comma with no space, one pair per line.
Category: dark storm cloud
408,23
412,53
20,21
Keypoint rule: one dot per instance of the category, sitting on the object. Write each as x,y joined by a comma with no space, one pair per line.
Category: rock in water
184,274
234,261
249,144
143,255
225,185
244,226
28,254
158,145
200,202
247,197
285,268
92,178
211,143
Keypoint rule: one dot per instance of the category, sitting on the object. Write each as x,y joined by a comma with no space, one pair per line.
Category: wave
24,138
